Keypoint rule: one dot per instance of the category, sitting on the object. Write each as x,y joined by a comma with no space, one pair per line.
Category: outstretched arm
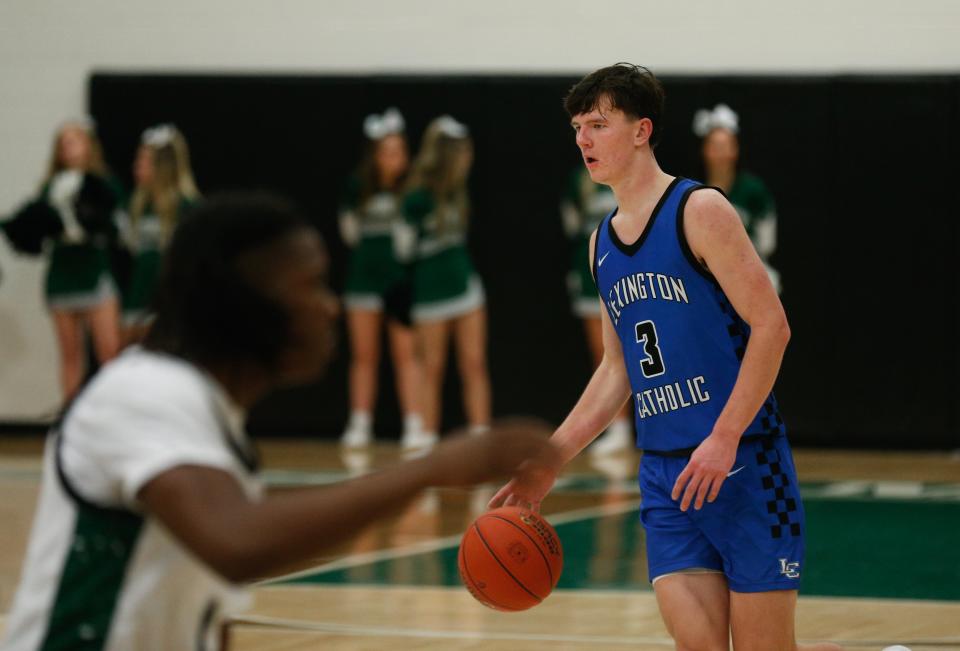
601,401
718,239
207,511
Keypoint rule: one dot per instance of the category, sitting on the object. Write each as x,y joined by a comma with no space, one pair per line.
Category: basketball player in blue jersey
695,333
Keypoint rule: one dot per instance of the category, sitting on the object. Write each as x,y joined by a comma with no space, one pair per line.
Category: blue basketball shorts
753,532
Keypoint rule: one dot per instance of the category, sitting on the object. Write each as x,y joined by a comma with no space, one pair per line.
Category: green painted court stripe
438,544
870,490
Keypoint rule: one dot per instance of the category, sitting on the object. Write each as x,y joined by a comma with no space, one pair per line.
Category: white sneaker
895,647
357,461
356,437
418,438
617,438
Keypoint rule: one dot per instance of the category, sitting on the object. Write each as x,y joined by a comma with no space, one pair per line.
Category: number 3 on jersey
653,365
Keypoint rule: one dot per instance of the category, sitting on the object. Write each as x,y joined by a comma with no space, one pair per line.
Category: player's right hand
528,488
466,460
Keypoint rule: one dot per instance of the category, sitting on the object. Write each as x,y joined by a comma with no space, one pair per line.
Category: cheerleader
164,190
369,214
448,296
73,220
719,129
584,206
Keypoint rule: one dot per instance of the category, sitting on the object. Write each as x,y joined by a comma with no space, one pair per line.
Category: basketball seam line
474,585
499,562
535,545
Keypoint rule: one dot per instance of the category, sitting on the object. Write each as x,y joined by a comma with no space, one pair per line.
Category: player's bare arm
717,238
604,396
242,539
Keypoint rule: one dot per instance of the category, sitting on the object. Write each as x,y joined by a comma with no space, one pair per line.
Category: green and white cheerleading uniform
445,283
100,572
757,210
754,203
79,274
373,269
148,242
584,206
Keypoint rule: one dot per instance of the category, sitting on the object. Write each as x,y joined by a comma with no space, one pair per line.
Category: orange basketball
510,559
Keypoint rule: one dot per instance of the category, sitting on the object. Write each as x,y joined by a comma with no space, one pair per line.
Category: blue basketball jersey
682,340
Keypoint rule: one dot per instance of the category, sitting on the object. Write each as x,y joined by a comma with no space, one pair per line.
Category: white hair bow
721,117
159,136
449,127
376,126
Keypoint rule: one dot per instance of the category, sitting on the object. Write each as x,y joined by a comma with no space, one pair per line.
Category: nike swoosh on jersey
600,261
731,474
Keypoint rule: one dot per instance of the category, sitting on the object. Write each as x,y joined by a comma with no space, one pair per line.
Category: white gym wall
49,48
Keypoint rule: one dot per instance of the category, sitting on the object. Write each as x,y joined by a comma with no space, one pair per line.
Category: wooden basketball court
881,527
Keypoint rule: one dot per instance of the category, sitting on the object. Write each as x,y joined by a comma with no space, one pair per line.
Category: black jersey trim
244,451
631,249
248,458
206,620
68,487
56,439
682,237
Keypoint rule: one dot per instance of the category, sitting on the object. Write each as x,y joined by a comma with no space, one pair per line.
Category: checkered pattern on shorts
783,507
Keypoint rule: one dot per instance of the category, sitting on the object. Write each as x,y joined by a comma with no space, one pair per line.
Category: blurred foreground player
693,329
151,509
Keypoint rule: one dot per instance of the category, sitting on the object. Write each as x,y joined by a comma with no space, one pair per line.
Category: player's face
300,285
143,166
74,148
391,158
720,149
607,139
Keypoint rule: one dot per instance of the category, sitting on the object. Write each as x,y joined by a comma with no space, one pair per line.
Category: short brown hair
627,87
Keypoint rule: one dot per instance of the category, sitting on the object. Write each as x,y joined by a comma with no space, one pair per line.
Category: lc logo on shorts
789,570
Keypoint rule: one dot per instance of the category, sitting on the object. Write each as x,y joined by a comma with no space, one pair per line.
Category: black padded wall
862,169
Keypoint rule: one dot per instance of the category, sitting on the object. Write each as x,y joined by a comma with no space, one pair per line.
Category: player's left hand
706,471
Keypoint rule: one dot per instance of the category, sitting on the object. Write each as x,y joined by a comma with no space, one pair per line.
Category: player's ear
643,129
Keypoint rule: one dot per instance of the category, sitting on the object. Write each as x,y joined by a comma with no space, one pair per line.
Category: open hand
705,472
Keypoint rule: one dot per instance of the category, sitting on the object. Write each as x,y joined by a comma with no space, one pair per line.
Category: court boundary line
367,558
279,624
601,592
